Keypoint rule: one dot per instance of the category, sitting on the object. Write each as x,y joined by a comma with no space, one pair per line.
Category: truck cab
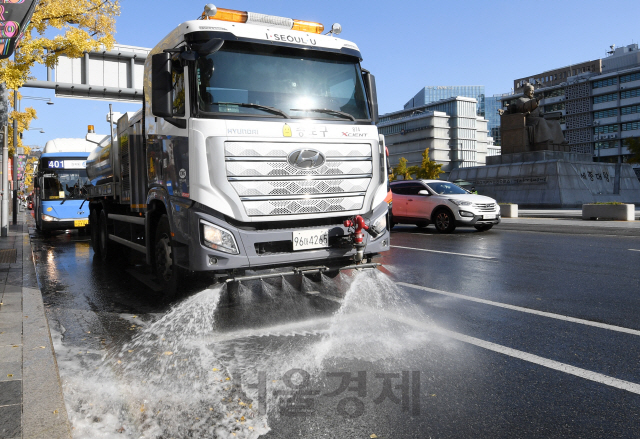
256,141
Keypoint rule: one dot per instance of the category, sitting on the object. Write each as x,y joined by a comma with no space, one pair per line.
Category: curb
44,414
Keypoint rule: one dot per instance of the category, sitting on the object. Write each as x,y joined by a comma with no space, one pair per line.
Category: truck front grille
301,206
268,185
300,187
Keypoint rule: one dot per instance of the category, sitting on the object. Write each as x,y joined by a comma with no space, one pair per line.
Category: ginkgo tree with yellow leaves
428,169
58,27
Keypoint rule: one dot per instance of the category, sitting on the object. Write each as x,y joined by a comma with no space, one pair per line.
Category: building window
605,113
393,129
605,98
604,82
630,77
605,145
554,107
630,93
605,129
631,126
554,93
630,110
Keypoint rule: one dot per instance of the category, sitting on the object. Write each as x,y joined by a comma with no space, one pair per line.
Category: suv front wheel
444,221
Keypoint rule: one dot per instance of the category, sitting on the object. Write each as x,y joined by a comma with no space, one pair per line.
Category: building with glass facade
435,93
600,106
455,135
492,104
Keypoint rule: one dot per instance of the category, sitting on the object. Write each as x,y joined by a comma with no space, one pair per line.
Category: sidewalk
568,221
31,401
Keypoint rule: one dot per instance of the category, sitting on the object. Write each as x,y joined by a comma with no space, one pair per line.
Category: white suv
445,204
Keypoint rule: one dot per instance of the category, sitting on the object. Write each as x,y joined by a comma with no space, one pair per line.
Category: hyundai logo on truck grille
306,158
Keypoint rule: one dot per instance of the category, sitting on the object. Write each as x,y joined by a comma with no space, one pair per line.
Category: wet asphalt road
413,363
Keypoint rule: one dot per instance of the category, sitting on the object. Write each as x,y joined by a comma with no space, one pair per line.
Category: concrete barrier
509,210
614,212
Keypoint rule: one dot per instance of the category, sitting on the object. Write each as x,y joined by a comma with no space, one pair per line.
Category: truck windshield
62,184
300,83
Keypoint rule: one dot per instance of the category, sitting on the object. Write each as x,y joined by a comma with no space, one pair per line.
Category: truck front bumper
262,248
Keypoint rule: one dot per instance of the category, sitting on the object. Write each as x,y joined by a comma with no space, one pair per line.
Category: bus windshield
64,184
272,81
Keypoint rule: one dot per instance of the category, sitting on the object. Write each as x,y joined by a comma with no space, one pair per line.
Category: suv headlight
460,202
49,218
218,238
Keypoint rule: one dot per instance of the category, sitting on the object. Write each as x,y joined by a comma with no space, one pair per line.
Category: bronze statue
542,131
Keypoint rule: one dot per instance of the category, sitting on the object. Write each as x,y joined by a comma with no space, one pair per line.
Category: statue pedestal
551,179
517,137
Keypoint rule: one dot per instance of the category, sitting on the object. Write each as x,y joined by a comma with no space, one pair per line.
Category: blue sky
406,44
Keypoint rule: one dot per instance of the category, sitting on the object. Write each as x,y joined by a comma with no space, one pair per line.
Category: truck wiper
327,111
257,106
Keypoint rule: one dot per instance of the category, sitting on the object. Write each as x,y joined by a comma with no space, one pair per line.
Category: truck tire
94,224
166,270
106,246
445,222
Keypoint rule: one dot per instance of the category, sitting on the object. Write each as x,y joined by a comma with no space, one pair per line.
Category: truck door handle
410,199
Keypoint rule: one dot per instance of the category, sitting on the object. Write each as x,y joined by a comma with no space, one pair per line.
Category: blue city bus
60,192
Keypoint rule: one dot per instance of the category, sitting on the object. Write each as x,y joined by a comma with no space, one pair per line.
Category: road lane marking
634,250
438,251
526,310
525,356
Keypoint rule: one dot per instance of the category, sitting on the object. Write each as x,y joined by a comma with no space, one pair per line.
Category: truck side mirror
424,192
161,96
372,96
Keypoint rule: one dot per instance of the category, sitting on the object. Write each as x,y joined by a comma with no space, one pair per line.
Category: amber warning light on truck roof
213,13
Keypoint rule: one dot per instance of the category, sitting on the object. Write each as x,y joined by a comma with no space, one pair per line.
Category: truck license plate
490,216
80,223
308,239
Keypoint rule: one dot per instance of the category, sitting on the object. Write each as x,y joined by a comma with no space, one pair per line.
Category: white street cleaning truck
256,148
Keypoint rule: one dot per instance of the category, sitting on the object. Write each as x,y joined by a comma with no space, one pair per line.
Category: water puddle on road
202,369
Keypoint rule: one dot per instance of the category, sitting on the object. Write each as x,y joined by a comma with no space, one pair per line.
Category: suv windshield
300,83
64,184
447,188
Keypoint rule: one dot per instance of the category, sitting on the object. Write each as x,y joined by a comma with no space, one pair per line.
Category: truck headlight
377,227
49,218
218,238
460,202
